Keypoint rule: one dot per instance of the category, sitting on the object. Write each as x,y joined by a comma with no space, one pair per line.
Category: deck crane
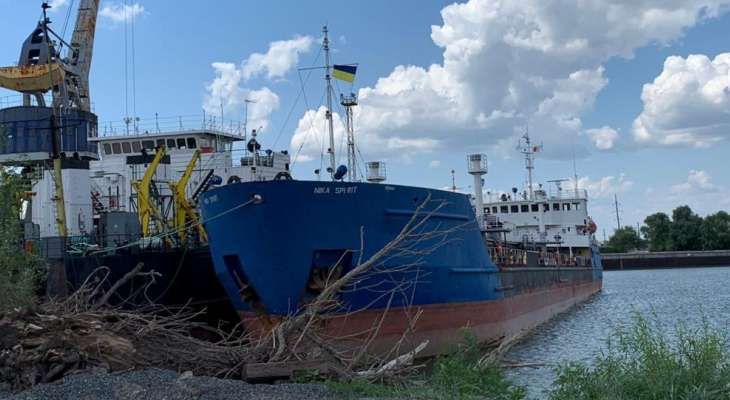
146,208
186,215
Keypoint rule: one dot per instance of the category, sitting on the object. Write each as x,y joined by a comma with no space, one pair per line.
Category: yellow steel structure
146,209
59,199
31,78
185,213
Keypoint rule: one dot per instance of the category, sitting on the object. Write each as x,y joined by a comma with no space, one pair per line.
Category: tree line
685,230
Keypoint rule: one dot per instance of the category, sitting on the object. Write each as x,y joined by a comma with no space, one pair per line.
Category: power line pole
618,217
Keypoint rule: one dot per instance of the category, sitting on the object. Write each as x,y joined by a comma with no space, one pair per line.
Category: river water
669,296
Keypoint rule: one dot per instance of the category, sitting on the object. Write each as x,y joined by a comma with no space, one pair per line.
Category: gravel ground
156,384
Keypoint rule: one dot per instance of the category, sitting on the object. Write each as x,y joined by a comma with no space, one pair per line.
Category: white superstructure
121,163
535,217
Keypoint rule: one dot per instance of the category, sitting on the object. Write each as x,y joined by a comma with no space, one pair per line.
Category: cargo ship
275,245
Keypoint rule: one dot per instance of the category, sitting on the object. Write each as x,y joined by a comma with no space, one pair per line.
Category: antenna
348,102
525,147
328,79
453,180
245,116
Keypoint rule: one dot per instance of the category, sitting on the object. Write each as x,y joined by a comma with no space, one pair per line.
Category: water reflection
687,295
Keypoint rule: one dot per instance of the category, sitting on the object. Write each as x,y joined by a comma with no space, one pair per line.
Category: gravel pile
156,384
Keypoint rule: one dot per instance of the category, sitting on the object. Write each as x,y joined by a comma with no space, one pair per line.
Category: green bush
647,362
457,375
19,270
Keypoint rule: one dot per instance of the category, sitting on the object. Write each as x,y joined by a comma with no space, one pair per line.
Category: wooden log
282,370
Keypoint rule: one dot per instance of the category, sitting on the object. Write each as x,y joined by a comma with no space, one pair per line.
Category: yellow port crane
146,208
186,215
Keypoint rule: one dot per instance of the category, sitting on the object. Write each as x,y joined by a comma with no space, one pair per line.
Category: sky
636,92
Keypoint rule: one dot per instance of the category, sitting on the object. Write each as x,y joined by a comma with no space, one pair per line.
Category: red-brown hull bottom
441,324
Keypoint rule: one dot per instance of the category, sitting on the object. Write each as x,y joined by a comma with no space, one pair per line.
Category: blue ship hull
267,238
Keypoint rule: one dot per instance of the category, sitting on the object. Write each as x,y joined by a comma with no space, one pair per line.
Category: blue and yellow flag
344,72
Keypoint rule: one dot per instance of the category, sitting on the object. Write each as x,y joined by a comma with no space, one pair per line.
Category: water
669,296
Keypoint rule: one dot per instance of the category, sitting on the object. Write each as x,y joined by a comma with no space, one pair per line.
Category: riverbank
163,384
665,259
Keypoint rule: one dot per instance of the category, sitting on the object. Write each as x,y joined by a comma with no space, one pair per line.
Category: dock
665,259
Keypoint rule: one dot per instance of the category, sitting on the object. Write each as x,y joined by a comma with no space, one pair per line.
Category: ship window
545,207
136,147
535,207
181,143
148,144
107,148
486,210
524,208
170,143
116,148
504,209
514,209
126,148
576,206
556,206
566,206
494,210
160,142
191,143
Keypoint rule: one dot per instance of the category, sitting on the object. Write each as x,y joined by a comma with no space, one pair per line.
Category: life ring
283,176
233,179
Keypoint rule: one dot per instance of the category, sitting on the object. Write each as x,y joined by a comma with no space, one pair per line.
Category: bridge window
576,206
524,208
514,209
107,148
504,209
566,206
148,144
181,143
535,207
126,148
117,148
160,142
556,206
136,147
494,210
191,143
170,143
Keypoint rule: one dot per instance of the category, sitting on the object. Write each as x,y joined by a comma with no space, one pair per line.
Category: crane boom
82,48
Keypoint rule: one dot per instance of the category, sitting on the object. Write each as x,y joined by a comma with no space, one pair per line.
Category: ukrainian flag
344,72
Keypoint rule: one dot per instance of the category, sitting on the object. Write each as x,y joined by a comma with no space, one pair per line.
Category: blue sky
438,81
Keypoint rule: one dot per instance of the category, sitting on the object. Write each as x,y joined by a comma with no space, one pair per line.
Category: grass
646,361
457,375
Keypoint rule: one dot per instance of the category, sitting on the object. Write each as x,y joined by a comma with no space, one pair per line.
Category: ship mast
328,80
525,147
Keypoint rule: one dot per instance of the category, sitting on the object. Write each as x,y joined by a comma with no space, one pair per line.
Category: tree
658,232
19,269
624,240
686,232
716,231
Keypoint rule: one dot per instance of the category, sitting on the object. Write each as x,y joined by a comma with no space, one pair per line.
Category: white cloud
229,89
697,181
507,64
57,4
688,104
281,57
603,138
120,13
604,187
434,163
226,91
